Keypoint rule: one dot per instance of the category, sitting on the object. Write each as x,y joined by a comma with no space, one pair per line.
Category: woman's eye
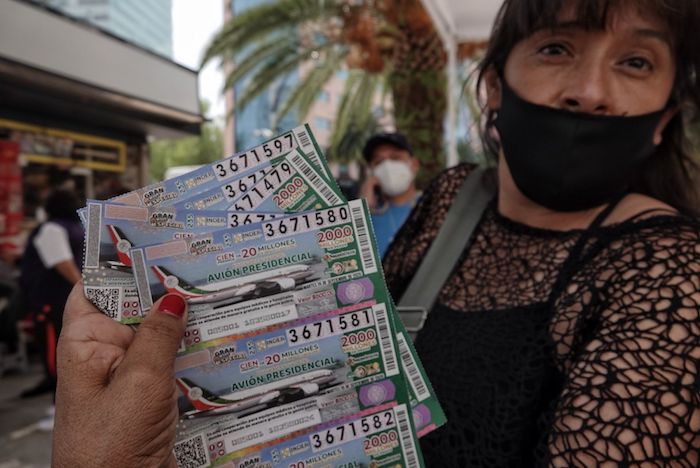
553,49
639,63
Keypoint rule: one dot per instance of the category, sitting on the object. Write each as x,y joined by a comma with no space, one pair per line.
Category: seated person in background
390,188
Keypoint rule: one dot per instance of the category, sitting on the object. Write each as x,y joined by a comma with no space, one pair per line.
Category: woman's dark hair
668,174
62,204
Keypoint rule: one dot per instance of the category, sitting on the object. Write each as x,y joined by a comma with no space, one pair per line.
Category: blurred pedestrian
390,188
49,269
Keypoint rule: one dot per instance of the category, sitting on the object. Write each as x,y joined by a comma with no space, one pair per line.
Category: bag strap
442,256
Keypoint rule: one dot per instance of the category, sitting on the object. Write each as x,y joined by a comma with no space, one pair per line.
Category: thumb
158,337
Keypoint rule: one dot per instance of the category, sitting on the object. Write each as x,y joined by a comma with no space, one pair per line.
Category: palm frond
271,42
355,111
276,18
268,73
308,89
264,52
349,146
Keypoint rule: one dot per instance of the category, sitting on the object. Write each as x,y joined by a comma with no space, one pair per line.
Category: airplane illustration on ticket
245,402
280,279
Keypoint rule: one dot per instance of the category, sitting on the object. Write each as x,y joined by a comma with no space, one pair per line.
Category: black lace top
543,356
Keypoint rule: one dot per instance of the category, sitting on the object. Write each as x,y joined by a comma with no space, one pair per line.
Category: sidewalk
23,443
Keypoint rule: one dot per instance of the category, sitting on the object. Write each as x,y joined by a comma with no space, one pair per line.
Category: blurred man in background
49,269
390,188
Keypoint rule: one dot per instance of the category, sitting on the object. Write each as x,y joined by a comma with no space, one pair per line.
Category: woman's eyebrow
573,25
653,34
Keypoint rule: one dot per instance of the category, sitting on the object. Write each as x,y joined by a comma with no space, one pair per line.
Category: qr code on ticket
191,453
106,299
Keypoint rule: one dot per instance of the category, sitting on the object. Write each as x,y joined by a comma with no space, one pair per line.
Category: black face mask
568,161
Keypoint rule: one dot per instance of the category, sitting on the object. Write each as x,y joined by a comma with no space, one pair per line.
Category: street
25,424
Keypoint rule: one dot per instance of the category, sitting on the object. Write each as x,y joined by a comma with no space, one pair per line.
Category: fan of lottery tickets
293,353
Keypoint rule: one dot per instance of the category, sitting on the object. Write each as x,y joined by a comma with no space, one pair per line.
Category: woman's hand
116,395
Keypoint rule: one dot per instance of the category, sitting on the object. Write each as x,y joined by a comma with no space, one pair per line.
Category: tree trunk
420,104
419,86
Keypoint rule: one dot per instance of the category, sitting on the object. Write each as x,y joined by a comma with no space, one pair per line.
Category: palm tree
390,47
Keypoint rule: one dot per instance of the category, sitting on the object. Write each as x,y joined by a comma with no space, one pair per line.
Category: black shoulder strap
445,251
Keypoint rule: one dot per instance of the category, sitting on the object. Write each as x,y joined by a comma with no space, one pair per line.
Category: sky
194,24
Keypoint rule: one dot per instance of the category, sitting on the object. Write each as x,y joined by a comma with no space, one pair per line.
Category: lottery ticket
382,436
111,229
243,168
261,274
264,302
293,354
349,349
293,184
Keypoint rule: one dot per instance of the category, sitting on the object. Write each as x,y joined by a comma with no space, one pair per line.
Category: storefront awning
55,67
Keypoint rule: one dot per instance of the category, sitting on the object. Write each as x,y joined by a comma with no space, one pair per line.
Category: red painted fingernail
172,304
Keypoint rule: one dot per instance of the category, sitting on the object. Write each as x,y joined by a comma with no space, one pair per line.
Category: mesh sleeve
632,393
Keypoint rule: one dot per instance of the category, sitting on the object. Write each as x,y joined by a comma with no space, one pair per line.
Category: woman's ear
663,123
493,89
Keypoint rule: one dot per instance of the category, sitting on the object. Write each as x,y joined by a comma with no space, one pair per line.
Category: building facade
77,108
146,23
254,124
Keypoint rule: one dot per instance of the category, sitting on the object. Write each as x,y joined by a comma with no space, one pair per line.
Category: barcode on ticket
408,443
192,453
415,378
387,345
303,137
105,298
369,264
315,180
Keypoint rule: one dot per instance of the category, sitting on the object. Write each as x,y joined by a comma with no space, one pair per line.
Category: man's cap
394,139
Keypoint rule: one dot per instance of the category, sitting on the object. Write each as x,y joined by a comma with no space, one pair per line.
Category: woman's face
626,69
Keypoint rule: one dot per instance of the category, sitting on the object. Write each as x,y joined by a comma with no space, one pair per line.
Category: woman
568,332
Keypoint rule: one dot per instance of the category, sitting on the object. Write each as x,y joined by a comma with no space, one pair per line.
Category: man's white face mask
394,177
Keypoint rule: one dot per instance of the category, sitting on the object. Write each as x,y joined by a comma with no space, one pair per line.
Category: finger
77,305
171,462
82,321
157,339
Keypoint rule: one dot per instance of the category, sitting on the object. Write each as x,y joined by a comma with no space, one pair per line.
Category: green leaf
306,92
275,18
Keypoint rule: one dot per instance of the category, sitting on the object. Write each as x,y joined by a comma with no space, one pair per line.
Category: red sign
10,190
